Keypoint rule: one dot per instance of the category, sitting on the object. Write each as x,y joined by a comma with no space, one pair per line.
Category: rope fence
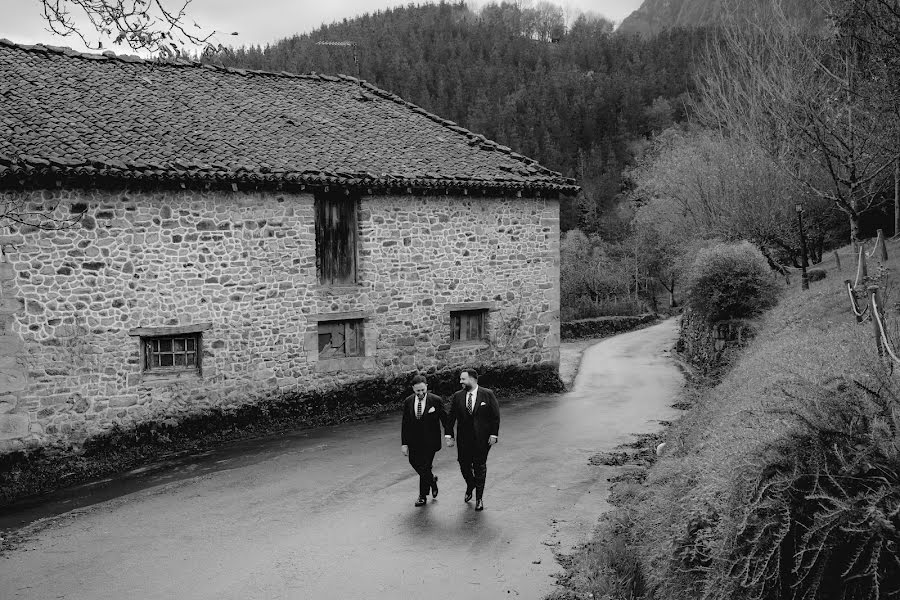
854,305
861,269
879,246
873,309
880,333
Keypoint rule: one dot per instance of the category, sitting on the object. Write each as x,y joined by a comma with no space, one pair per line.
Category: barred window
172,353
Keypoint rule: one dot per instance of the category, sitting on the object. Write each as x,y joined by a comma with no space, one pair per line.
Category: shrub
730,281
816,275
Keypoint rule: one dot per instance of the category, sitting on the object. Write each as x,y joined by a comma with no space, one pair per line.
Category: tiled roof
72,114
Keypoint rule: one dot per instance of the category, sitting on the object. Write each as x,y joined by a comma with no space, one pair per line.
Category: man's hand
450,441
405,450
492,440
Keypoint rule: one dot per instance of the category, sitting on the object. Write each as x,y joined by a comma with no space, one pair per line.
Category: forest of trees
577,105
678,139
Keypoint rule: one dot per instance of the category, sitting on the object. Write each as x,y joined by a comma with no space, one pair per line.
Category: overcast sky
258,21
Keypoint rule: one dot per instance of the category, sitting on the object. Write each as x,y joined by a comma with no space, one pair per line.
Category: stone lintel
169,330
488,305
340,316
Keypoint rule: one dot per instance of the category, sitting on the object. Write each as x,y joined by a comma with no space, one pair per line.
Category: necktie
469,404
418,408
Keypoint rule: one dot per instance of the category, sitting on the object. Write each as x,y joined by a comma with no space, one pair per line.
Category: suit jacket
424,433
473,431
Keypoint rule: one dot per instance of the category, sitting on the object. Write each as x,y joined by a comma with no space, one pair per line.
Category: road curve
329,513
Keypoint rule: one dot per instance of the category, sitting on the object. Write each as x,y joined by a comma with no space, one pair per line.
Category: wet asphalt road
329,513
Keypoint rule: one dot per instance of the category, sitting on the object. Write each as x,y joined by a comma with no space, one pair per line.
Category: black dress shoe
479,505
468,495
434,490
420,502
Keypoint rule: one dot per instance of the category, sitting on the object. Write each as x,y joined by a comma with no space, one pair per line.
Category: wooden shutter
336,235
341,339
467,325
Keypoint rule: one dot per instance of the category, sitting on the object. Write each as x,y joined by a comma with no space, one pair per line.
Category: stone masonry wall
710,347
244,263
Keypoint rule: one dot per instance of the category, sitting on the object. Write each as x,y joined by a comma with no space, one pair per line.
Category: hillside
577,104
655,16
807,412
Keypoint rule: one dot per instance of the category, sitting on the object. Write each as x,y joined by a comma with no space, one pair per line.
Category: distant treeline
580,99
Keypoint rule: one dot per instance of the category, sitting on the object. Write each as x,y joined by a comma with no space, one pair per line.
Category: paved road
329,513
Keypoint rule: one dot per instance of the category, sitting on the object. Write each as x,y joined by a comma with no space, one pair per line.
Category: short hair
419,379
472,373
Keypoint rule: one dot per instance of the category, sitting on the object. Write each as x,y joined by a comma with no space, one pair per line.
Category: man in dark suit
420,433
476,414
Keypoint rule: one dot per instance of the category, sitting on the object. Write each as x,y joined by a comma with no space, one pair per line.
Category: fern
820,518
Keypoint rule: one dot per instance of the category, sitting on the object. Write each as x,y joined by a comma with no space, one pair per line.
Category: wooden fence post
874,301
852,294
837,260
880,240
861,270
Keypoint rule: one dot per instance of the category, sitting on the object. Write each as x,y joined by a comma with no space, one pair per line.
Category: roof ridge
474,138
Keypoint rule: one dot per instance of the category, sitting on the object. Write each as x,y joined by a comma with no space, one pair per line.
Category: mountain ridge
655,16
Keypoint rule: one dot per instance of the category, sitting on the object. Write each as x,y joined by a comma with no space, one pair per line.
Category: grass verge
781,480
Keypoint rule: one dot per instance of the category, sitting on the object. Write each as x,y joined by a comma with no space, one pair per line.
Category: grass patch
606,567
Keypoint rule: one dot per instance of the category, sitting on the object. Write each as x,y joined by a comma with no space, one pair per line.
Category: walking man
420,433
476,414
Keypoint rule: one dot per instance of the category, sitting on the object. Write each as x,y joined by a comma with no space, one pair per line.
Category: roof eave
49,175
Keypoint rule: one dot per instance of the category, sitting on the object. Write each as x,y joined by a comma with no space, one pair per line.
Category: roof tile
123,116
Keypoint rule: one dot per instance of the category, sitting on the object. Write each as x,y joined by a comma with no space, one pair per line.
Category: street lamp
805,278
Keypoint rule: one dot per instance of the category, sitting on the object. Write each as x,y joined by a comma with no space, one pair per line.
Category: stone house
221,236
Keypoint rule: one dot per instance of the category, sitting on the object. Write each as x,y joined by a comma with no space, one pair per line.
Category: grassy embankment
684,528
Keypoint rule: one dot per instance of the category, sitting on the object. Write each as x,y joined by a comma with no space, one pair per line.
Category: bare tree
875,26
702,184
812,99
158,26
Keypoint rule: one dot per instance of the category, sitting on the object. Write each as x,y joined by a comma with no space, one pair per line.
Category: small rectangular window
336,235
172,353
467,325
338,339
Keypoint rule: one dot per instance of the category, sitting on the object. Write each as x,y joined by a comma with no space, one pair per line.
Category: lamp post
805,278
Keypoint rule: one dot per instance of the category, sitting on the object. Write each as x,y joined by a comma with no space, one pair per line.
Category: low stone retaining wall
603,326
28,472
708,347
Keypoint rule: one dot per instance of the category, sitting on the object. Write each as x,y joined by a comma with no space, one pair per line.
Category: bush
816,275
603,326
730,281
583,308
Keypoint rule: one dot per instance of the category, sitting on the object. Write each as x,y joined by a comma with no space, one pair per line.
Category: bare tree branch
19,211
815,100
152,25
